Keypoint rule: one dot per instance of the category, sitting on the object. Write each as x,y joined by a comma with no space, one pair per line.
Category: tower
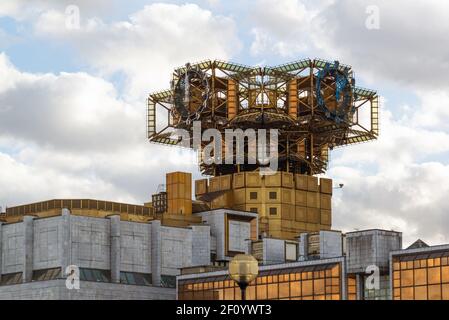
313,106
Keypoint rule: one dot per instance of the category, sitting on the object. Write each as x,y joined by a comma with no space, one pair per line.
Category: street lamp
243,269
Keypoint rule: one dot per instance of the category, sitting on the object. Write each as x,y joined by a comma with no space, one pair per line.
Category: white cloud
25,9
397,181
280,27
148,46
393,183
69,135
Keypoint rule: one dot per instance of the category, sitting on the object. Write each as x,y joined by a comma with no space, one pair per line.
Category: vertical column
156,252
115,248
28,229
66,247
359,286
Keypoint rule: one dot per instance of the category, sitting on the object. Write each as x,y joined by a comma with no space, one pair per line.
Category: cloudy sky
72,96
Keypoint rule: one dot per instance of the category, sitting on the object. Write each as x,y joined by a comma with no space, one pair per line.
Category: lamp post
243,269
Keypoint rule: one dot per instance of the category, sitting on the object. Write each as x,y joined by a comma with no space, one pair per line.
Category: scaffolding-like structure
314,104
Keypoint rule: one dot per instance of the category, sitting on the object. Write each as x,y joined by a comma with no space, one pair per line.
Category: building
126,251
420,273
175,246
361,265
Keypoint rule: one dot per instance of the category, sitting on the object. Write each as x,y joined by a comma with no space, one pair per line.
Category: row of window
272,210
272,195
320,284
421,279
421,263
86,274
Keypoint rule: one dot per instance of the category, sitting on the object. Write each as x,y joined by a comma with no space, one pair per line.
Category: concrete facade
40,244
57,290
216,219
371,247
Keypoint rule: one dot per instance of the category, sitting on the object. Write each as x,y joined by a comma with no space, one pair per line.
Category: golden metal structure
314,104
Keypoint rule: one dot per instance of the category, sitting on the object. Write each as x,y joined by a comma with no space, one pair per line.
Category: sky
74,77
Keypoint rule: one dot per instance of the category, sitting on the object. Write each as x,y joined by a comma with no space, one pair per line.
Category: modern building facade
420,274
182,250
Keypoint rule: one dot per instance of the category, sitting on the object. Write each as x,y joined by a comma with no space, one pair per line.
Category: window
421,277
253,210
253,195
95,275
168,281
272,284
46,274
290,251
273,195
11,278
273,211
139,279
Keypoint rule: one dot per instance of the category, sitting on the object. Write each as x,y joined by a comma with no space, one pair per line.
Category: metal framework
314,104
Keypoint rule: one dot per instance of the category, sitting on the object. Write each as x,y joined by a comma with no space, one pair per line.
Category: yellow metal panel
301,198
214,184
325,201
253,179
312,183
313,200
250,191
287,180
239,196
273,180
239,180
301,214
201,186
301,181
272,191
225,182
288,212
326,185
288,196
326,217
313,215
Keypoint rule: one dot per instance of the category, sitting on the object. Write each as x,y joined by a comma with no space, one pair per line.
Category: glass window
251,293
420,276
253,195
273,291
229,294
407,278
396,266
273,195
421,293
295,289
445,274
307,288
435,292
273,211
407,293
434,275
261,292
445,291
284,291
318,286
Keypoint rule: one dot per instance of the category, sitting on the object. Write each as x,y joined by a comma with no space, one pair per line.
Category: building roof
418,244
